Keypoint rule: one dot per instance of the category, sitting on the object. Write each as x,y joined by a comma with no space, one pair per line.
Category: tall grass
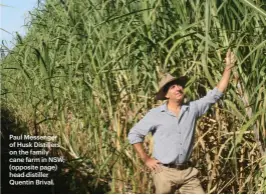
88,70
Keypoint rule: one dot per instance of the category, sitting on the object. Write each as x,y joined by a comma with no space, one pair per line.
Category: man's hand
230,59
152,164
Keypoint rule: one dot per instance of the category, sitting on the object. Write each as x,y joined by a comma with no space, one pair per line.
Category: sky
14,17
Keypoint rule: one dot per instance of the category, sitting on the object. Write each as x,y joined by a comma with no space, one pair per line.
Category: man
173,127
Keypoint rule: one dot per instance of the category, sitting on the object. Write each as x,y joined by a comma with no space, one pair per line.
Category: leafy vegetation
88,70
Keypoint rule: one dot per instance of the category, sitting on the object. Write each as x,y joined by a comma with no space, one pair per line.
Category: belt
177,166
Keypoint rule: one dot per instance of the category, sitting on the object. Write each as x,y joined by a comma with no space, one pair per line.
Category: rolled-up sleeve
203,104
141,129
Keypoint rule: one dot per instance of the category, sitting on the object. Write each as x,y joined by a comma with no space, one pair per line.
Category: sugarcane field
135,97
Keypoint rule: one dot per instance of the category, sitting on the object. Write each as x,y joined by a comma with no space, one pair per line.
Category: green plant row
88,70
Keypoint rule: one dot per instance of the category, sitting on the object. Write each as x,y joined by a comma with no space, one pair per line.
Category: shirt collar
164,107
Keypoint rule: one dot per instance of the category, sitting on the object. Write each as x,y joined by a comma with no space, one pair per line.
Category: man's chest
168,124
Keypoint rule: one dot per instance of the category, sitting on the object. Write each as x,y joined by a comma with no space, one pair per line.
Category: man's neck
174,105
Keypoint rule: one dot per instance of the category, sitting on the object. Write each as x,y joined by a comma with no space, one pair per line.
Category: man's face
175,92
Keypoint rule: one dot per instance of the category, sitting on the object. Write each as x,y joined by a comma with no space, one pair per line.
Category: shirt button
179,132
180,143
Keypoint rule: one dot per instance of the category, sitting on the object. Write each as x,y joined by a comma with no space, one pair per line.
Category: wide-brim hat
160,95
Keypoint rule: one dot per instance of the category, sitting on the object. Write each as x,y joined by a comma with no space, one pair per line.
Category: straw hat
160,95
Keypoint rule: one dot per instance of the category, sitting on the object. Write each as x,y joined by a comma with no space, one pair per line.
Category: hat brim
160,95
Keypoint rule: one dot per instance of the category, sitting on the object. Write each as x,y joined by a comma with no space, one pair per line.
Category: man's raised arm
203,104
229,63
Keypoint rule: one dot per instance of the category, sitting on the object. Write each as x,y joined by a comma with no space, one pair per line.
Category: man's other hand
153,164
